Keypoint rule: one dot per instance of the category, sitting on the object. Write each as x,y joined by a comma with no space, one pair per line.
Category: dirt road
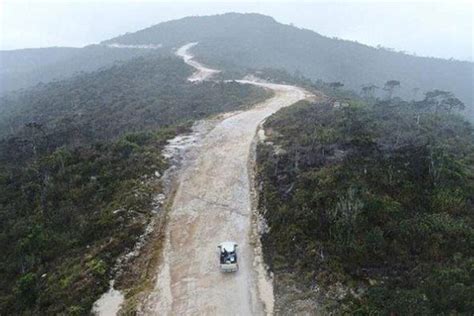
213,204
202,72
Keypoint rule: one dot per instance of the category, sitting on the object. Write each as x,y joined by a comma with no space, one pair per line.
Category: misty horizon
86,23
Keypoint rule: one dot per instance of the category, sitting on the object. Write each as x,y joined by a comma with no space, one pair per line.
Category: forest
78,165
369,205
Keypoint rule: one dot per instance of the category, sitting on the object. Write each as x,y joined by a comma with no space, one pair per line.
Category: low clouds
441,29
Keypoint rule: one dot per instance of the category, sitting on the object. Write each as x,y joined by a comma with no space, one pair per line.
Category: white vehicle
228,256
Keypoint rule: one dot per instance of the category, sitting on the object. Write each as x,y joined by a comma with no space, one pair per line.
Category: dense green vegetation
238,41
77,175
65,218
143,93
374,199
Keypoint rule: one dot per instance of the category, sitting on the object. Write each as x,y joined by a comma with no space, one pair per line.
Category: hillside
238,41
27,67
25,59
79,160
369,208
126,93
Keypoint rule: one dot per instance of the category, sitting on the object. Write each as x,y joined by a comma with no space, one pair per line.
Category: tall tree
336,85
368,91
390,87
439,100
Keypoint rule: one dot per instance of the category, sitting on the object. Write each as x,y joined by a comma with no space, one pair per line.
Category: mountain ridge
236,41
239,43
269,19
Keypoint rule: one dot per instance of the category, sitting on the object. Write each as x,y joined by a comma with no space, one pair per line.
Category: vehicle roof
228,245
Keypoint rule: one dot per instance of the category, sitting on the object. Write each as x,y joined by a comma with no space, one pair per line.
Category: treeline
77,175
370,206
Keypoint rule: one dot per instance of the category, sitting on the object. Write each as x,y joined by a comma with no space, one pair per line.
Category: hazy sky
428,28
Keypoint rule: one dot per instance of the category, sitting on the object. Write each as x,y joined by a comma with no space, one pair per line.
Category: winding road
213,204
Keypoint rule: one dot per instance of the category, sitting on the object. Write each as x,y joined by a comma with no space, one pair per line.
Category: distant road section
202,72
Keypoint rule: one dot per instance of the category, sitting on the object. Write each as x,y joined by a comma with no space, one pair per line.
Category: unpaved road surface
202,72
213,204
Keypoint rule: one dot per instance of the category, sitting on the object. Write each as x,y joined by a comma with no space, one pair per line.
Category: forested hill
143,93
369,207
24,68
236,41
20,60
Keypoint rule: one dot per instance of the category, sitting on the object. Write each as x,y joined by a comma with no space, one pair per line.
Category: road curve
212,204
202,72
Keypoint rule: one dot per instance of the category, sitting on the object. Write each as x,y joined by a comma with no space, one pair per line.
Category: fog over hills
24,68
255,41
235,41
